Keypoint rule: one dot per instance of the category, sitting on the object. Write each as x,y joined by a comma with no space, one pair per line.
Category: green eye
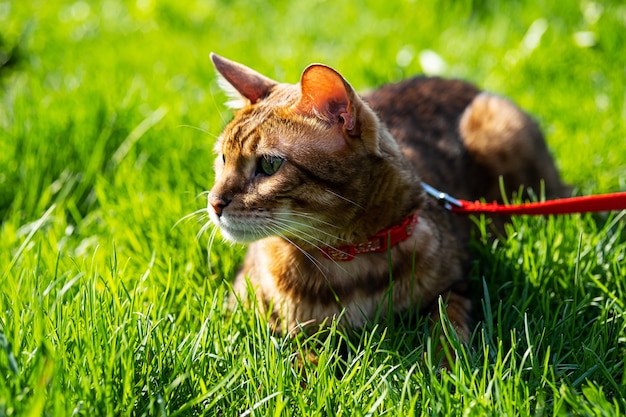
268,165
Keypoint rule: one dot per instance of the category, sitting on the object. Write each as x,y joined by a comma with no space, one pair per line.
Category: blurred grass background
108,113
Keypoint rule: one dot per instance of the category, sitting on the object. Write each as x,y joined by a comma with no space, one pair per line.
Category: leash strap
584,204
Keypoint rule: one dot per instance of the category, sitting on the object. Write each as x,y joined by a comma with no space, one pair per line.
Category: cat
326,187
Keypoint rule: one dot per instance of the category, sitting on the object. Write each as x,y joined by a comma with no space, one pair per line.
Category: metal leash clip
446,200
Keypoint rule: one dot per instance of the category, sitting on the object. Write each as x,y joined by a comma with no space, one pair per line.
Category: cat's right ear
241,84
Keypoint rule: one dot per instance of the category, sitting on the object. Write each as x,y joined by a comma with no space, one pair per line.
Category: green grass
108,306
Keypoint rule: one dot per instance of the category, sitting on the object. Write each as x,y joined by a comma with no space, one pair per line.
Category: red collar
380,242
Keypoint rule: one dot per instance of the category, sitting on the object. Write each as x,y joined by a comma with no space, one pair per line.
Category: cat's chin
236,234
240,236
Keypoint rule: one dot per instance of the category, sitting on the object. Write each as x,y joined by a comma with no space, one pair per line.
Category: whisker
309,226
218,108
210,247
310,257
305,215
200,212
294,230
283,227
206,132
203,229
345,199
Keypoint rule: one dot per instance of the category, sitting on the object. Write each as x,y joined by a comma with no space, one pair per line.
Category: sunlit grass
110,304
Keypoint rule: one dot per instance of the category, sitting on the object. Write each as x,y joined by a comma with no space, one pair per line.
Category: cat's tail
508,143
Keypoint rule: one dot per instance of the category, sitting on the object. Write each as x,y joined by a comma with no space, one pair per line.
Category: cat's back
463,140
421,100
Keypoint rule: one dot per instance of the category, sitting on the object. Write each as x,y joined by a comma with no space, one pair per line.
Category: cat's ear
327,95
243,85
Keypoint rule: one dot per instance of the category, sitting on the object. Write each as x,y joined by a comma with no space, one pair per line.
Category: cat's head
305,162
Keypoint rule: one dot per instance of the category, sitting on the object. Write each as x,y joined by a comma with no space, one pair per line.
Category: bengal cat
326,187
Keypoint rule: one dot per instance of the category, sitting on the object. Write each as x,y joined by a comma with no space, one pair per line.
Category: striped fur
352,166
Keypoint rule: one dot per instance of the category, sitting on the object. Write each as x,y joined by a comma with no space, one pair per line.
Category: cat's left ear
327,95
241,83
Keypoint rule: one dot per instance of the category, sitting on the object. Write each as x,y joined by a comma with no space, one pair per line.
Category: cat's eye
268,165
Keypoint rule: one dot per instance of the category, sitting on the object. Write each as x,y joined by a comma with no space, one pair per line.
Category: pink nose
218,203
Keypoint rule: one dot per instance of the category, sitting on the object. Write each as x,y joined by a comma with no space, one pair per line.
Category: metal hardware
446,200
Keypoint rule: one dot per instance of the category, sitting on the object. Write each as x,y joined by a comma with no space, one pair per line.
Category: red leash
584,204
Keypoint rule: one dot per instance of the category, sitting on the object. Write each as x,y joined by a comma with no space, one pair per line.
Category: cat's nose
218,203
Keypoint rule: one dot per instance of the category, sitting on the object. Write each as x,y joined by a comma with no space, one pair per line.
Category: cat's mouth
246,230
